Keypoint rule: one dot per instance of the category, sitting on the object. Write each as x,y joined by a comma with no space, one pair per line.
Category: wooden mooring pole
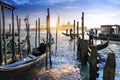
110,66
36,36
58,24
9,28
1,51
74,34
50,35
39,30
4,35
93,62
13,39
84,52
19,45
78,39
26,20
47,40
83,25
77,29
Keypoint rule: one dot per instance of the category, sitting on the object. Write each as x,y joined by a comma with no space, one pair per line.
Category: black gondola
17,67
72,36
102,46
66,34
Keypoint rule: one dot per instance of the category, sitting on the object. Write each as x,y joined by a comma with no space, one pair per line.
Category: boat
10,34
66,34
72,36
101,46
111,31
13,68
17,67
26,63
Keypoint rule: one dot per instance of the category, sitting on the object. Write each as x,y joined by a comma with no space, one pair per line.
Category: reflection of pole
74,35
39,30
13,40
4,35
1,53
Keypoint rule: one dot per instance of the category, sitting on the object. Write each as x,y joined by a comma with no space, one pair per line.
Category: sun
53,24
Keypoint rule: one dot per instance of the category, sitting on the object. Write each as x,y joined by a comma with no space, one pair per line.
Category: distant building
69,26
61,27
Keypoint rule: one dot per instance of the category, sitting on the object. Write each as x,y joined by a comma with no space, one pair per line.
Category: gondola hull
18,67
65,34
102,37
72,36
102,46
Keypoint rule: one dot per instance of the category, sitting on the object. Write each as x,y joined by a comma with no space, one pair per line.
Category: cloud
60,1
71,7
114,1
41,2
19,2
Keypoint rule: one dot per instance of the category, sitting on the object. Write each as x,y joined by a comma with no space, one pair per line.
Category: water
64,63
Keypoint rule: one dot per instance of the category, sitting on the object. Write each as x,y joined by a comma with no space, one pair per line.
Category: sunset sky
97,12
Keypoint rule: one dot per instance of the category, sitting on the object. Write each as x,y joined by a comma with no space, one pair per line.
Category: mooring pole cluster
88,53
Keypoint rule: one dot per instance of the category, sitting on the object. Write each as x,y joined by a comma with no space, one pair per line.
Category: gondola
10,34
22,65
102,46
66,34
111,31
72,36
14,68
26,63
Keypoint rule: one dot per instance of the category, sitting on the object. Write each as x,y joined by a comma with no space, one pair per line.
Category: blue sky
97,12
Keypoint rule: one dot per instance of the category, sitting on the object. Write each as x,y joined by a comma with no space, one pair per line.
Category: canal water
64,61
